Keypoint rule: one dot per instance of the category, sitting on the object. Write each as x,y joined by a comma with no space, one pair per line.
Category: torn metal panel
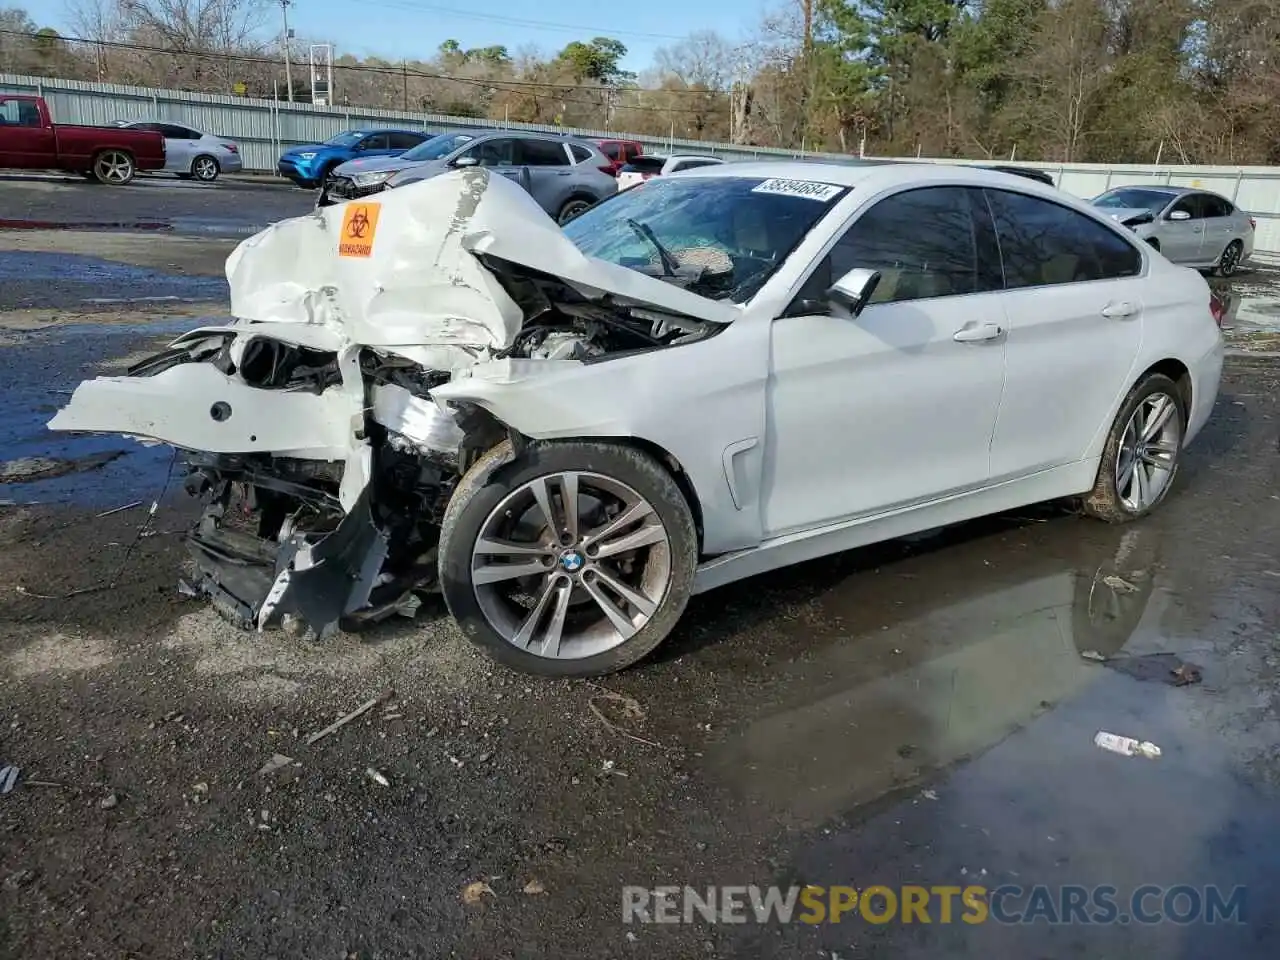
418,419
197,407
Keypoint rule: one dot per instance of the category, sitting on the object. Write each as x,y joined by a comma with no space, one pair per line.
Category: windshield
348,139
720,237
1134,199
438,146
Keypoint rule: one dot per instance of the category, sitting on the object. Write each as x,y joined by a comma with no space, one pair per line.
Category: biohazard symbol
359,228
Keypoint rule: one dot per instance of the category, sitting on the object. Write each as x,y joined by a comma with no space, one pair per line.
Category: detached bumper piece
255,582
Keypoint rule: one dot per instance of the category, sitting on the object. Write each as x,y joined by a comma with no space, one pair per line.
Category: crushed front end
307,427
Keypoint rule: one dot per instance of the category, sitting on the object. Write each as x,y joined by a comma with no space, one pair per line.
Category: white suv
639,169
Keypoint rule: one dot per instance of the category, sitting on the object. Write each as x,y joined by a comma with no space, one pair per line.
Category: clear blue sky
415,28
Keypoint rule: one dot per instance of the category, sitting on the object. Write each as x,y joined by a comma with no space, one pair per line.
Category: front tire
571,559
1142,453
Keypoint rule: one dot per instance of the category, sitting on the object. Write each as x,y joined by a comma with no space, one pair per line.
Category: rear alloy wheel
115,167
205,169
1230,259
1142,452
573,559
574,208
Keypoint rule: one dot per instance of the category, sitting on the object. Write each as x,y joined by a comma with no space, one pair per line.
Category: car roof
851,172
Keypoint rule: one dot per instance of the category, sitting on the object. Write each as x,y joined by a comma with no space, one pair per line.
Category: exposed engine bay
308,426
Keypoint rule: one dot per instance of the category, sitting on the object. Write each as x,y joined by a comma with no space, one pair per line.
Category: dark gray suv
565,176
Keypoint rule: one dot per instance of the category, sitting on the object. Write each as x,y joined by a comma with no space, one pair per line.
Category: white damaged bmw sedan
707,377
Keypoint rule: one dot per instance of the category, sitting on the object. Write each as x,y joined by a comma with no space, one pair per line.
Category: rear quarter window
580,154
1043,243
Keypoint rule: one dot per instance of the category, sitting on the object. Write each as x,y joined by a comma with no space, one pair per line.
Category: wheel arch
1171,367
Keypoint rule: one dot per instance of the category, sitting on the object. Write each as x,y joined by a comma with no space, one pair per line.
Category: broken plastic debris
534,887
1119,583
8,777
1093,655
277,761
1126,746
473,892
376,777
357,712
1186,674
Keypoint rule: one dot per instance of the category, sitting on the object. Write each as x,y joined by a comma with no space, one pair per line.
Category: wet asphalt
922,712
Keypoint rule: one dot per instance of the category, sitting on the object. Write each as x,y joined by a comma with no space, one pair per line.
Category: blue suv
308,165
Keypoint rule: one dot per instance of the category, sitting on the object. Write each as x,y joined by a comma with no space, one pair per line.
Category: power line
504,86
578,29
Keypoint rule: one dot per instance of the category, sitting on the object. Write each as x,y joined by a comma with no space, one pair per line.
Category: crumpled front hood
370,165
398,271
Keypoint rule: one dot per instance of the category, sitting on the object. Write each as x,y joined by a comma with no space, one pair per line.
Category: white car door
1074,306
1181,239
178,147
896,406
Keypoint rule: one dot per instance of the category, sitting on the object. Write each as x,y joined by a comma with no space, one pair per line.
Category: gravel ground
914,712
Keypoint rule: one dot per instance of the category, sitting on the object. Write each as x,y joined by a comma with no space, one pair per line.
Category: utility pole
807,6
288,68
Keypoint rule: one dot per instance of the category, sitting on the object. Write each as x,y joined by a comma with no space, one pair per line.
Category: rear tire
205,168
1230,259
114,167
631,528
1142,453
573,207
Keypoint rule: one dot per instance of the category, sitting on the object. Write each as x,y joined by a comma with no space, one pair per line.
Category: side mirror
854,290
1180,215
466,162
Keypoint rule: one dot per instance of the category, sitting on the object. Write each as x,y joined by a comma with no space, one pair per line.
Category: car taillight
609,168
1217,308
1253,224
231,148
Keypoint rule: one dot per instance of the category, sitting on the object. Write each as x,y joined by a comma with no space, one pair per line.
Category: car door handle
975,332
1118,311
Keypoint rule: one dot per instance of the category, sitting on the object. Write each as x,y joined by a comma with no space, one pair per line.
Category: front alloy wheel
575,559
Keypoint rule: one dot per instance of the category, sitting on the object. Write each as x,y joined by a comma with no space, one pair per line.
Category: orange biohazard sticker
359,227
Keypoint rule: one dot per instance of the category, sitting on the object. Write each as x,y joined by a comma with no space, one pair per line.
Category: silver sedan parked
1192,227
191,154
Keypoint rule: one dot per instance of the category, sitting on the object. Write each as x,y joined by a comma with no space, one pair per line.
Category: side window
376,141
403,141
1043,243
611,150
1212,206
19,113
922,241
580,153
499,152
171,131
1188,203
543,153
631,150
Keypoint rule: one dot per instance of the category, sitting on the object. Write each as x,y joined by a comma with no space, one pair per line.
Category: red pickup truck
30,140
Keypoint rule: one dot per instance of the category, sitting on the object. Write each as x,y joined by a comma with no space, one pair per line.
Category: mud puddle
925,712
42,369
40,279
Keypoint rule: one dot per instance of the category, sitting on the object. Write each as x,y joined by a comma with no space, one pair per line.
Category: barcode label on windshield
809,189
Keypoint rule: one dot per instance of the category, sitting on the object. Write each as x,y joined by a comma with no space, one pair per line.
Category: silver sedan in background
191,154
1191,227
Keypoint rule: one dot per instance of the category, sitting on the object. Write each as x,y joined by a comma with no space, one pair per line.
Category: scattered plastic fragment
473,892
376,777
1126,746
8,778
277,761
